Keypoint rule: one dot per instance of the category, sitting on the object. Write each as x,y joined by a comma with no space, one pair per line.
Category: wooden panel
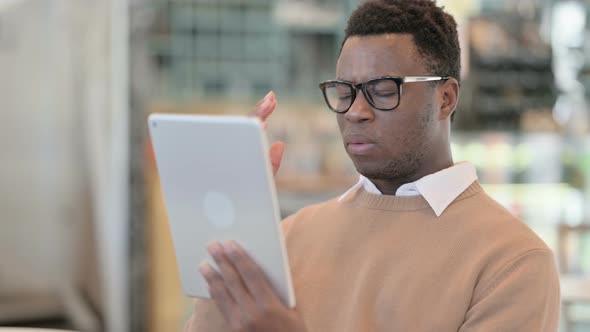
168,308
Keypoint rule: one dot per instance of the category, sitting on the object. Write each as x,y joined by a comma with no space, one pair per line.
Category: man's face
387,144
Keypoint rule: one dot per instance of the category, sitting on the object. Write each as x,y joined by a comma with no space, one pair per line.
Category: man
416,245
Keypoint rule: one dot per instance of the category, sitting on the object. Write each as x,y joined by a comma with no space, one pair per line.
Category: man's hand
262,111
240,289
244,295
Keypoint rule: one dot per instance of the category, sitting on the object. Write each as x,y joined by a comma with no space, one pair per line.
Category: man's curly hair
434,31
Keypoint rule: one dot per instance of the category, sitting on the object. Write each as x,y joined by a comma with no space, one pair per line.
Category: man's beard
403,168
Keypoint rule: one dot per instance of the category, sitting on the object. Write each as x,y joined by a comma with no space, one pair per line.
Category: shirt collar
439,189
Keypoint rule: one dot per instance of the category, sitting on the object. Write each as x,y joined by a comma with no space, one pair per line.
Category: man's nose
361,110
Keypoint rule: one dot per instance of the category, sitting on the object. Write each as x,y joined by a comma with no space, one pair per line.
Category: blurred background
84,240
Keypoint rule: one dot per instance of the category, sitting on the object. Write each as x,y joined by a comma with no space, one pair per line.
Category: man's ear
449,94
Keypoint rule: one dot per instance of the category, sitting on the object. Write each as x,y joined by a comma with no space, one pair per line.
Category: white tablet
218,185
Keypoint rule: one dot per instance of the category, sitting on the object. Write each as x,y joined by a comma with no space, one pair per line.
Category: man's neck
391,186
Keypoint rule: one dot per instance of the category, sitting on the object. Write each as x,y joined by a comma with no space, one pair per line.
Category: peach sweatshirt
387,263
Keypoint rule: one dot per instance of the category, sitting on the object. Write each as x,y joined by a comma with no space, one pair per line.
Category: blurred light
569,23
300,15
460,9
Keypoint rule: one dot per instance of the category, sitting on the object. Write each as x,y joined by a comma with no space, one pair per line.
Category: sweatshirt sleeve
523,296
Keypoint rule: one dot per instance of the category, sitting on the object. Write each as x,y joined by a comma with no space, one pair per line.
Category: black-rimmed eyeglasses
383,93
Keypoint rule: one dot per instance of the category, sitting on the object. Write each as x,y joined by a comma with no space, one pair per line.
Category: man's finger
265,107
253,276
219,294
277,150
230,275
259,103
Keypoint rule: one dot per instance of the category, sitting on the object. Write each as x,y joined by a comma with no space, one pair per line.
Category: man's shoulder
312,209
493,242
493,217
494,233
308,213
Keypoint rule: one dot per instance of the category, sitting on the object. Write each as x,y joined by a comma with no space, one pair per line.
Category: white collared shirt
439,189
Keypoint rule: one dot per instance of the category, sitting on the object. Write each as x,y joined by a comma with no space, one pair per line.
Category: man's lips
359,144
359,148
